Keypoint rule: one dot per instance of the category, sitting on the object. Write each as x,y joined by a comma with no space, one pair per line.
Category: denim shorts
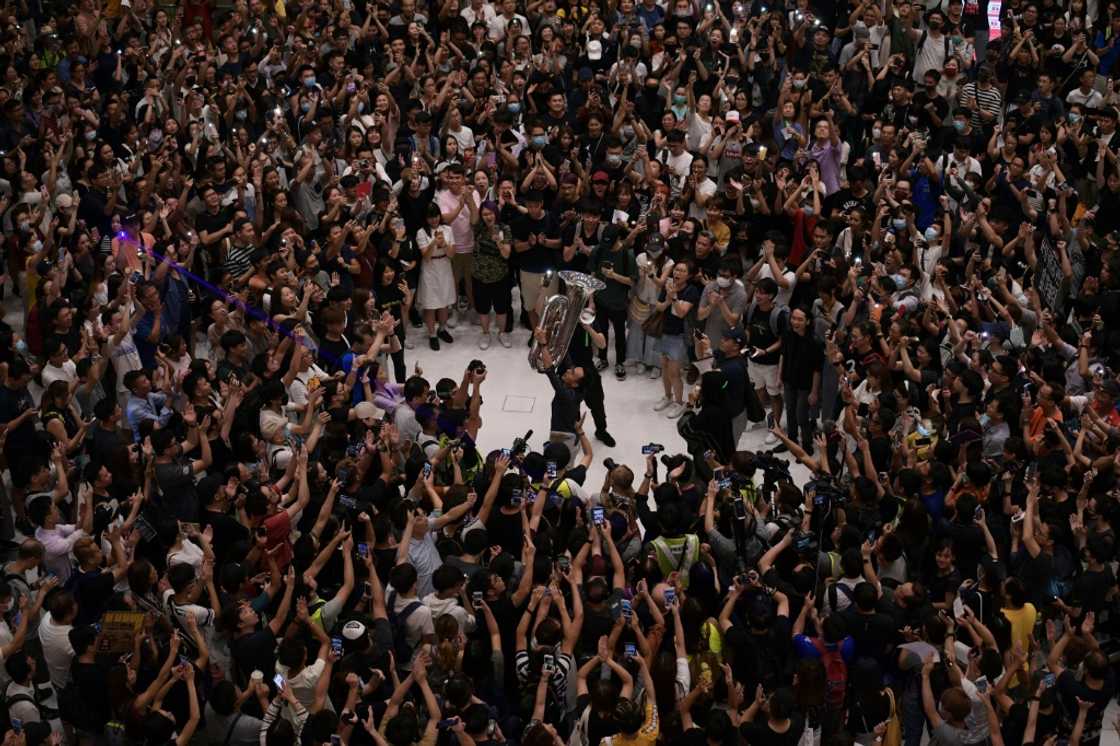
673,347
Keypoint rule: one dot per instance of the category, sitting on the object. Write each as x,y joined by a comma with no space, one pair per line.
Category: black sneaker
620,372
600,363
433,342
445,336
605,438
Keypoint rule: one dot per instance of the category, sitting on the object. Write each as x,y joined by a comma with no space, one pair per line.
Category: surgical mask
898,223
614,160
539,141
984,420
959,125
21,346
723,282
679,100
931,234
309,82
242,114
808,211
799,83
956,40
627,133
1074,117
876,132
91,135
36,246
361,107
515,107
25,225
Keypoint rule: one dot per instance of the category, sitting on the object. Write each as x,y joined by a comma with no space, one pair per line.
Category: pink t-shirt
462,234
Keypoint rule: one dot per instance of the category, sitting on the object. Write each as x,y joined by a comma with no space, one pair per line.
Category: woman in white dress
437,282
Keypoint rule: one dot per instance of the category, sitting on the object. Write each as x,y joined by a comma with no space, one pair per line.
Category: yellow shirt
1022,624
647,735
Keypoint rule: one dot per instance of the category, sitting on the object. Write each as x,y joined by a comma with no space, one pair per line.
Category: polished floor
516,399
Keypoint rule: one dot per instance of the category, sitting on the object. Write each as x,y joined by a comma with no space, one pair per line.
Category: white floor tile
511,383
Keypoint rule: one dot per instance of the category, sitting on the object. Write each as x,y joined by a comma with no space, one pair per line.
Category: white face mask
723,282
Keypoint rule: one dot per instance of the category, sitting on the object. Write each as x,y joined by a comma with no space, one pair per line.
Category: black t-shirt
104,444
94,590
208,222
674,325
505,531
537,258
844,201
254,652
228,531
331,353
177,487
759,732
13,403
761,335
565,405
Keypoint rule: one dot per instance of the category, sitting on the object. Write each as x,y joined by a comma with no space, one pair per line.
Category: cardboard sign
118,631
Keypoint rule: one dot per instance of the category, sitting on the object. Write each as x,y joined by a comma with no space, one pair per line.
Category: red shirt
279,529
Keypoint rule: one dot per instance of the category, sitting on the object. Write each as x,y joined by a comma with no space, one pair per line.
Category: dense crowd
883,235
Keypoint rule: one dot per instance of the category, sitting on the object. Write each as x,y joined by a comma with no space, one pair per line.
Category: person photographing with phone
765,322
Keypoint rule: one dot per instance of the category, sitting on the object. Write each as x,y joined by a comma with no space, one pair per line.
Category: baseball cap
353,630
732,117
736,333
602,176
367,412
63,201
595,50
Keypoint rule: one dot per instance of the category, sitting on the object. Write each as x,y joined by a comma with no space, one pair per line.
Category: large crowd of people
884,235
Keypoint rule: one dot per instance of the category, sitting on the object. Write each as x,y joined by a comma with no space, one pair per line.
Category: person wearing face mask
723,301
932,47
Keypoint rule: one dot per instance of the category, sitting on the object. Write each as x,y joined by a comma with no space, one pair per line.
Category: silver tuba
561,316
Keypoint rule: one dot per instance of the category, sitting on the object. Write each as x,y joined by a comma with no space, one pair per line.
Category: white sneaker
770,439
484,341
408,344
676,410
665,402
504,340
450,320
654,373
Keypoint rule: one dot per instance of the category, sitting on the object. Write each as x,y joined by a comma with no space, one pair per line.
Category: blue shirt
152,407
145,348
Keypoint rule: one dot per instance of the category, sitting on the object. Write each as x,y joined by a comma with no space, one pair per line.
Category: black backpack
6,705
401,649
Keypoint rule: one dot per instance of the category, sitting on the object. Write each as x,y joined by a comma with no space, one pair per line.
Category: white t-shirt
303,685
56,650
784,294
187,554
68,372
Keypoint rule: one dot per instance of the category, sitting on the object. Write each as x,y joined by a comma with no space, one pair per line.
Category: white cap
353,630
595,50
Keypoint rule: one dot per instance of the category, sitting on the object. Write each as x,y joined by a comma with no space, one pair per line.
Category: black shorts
496,295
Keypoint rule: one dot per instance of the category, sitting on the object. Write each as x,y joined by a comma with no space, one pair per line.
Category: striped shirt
987,100
237,261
